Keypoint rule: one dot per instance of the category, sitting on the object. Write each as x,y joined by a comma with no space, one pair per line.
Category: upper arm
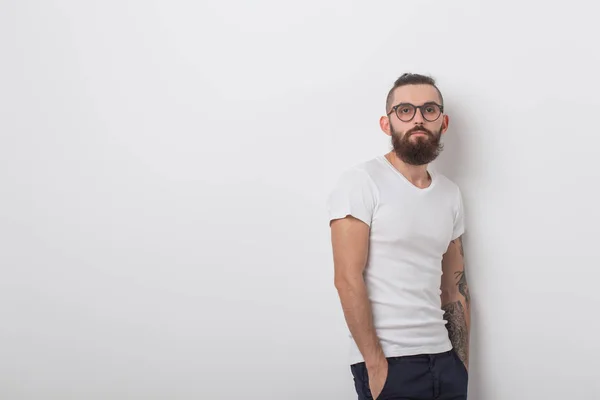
351,206
454,280
453,262
350,243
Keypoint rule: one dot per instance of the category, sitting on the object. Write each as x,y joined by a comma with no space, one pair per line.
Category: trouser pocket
362,384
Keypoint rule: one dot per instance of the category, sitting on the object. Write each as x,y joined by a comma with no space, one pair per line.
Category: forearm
359,317
458,314
456,300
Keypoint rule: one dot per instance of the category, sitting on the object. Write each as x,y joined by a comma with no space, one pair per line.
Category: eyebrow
427,102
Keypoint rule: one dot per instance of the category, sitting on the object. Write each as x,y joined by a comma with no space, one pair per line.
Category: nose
418,119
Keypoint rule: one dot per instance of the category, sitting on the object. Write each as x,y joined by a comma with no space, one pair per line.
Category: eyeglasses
406,112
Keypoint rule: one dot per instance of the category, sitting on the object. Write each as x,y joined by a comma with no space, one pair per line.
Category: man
396,234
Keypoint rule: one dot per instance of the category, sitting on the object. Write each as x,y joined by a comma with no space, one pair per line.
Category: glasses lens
431,112
405,112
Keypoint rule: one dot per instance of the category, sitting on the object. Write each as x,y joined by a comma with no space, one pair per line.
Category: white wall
164,168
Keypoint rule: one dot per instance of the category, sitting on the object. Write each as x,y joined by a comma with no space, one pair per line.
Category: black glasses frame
419,108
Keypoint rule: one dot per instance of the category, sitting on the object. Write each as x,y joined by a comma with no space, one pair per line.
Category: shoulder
451,191
354,193
447,184
356,182
359,175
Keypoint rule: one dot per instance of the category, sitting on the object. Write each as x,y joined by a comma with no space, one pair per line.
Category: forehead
416,94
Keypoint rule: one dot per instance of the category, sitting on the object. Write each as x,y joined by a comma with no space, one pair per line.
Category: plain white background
164,167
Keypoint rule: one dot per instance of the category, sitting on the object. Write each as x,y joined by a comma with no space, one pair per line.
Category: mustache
419,129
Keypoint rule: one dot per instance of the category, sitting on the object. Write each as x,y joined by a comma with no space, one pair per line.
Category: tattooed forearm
458,332
456,299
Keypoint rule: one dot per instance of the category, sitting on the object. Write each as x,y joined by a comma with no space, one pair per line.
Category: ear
445,123
384,124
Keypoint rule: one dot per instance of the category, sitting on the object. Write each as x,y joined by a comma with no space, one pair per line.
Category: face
416,141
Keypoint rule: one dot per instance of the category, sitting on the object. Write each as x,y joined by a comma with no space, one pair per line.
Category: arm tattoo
463,287
454,313
461,276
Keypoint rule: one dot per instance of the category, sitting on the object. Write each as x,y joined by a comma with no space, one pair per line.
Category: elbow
339,282
449,296
348,281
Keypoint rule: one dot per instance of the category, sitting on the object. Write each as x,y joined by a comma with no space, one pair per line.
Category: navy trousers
440,376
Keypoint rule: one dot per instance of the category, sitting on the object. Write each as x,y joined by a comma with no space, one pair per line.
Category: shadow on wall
452,161
455,163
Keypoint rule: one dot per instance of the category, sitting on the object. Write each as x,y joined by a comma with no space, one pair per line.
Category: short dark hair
410,79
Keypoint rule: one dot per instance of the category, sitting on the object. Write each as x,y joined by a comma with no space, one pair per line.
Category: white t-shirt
410,230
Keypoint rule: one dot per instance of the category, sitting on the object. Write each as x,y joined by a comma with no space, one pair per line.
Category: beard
419,151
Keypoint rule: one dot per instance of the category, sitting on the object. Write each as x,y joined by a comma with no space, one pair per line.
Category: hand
377,376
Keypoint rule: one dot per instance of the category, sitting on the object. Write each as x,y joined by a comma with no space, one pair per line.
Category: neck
416,174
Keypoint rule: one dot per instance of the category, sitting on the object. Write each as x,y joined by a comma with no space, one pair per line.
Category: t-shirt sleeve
459,217
354,194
